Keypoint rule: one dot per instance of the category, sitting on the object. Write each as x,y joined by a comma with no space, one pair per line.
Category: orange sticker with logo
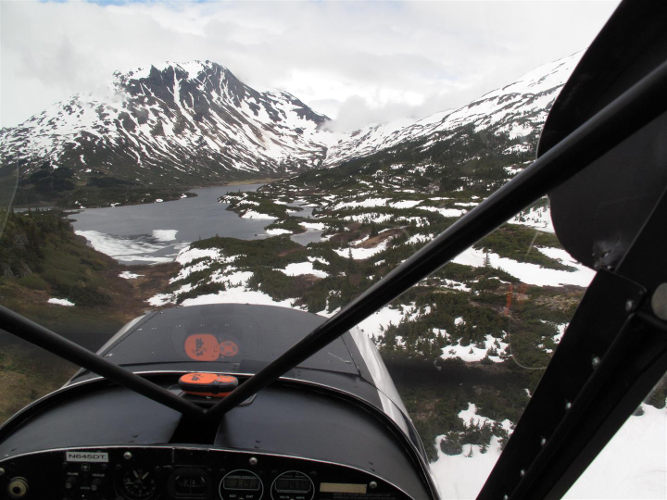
202,347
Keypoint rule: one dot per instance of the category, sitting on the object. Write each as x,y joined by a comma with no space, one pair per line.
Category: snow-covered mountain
518,110
177,121
195,123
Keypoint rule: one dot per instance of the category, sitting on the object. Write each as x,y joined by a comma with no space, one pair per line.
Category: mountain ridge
195,123
191,124
518,108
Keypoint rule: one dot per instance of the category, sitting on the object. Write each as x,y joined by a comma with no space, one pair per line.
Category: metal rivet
2,471
568,405
629,305
543,441
595,361
506,497
659,301
522,472
253,461
372,485
127,455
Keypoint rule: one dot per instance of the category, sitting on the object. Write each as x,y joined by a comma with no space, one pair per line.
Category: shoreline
187,190
263,180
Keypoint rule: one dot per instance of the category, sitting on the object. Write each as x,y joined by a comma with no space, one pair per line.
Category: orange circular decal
202,347
228,349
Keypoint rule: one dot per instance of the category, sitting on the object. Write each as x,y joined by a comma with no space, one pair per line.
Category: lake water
153,233
307,237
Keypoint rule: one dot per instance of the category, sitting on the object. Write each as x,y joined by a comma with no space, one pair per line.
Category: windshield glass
233,338
188,183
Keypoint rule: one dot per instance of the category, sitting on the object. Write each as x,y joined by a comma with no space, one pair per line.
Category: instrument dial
292,485
241,484
137,483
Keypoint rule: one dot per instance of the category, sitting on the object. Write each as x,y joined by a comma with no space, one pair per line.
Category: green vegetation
434,398
61,187
42,258
522,243
27,373
40,252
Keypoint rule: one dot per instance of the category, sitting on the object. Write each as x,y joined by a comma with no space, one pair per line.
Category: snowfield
633,465
531,273
301,268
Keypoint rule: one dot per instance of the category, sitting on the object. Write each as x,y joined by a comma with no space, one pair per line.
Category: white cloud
388,59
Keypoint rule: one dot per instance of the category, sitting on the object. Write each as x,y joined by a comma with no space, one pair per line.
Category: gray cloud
362,62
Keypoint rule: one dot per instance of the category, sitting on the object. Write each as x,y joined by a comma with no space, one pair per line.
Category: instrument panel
176,473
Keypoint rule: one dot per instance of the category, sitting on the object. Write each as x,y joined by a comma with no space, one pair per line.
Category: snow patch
463,475
473,353
405,204
251,214
301,268
445,212
277,231
61,302
376,324
362,253
238,295
313,226
526,272
419,238
187,255
165,234
129,276
367,203
159,300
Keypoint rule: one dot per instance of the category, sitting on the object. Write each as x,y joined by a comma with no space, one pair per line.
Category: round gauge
292,485
137,483
241,483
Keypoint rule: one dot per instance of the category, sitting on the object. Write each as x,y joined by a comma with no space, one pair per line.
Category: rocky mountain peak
190,123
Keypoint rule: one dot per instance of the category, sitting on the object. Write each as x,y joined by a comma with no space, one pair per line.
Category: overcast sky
357,62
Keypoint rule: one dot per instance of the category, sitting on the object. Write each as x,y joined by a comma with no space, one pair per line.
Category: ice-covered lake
155,232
